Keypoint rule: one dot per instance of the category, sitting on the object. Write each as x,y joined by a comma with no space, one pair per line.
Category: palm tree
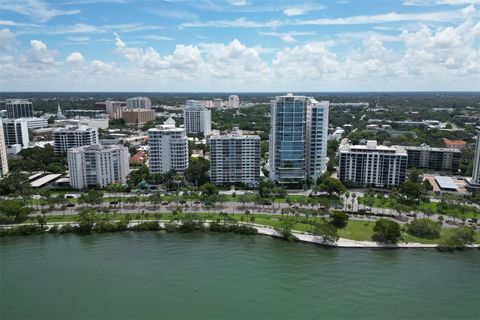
354,195
347,196
381,198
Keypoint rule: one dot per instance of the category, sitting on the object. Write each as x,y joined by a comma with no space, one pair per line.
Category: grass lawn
355,229
454,211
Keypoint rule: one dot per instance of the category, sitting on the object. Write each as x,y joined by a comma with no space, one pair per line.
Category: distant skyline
239,45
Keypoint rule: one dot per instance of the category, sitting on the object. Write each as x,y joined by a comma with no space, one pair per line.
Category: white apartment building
233,102
114,108
372,165
168,148
139,103
3,153
197,118
19,108
98,165
298,139
476,162
235,158
36,123
73,136
15,132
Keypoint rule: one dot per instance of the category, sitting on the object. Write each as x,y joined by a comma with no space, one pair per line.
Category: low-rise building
455,144
138,117
438,159
372,165
98,165
235,158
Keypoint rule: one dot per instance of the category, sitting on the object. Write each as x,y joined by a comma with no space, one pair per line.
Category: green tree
339,219
13,183
196,172
424,228
328,232
457,239
332,185
13,211
208,189
386,231
266,188
92,197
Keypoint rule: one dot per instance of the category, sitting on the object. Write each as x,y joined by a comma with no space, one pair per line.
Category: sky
239,45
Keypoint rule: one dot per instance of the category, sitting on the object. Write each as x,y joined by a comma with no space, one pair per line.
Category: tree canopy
386,231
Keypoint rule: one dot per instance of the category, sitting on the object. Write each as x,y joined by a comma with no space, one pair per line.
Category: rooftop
44,180
454,142
446,183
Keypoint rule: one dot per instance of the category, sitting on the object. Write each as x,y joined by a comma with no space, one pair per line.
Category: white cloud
7,40
238,23
38,55
156,37
434,16
427,57
288,37
238,3
35,9
75,57
79,39
439,2
293,12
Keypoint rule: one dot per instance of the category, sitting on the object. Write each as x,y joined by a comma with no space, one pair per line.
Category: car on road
164,203
412,215
70,205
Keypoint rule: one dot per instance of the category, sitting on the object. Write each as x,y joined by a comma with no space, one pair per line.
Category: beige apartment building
138,116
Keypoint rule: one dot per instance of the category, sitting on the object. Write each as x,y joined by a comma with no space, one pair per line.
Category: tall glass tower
298,138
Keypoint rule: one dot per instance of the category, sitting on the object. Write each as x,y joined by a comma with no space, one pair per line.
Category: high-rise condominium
235,158
168,148
15,131
298,139
139,103
3,153
17,108
98,165
476,161
372,165
233,102
197,118
73,136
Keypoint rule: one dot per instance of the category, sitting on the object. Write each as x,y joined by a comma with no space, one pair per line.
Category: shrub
24,230
457,239
424,228
386,231
67,228
146,226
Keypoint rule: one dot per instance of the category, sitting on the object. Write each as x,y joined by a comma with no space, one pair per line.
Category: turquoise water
225,276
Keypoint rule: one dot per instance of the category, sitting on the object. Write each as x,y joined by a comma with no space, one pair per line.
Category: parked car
473,220
70,205
413,215
164,203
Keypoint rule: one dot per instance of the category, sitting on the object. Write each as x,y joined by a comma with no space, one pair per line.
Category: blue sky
239,45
